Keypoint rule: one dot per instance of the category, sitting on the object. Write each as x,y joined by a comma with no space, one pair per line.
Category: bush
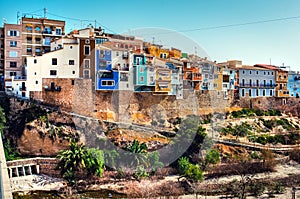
189,170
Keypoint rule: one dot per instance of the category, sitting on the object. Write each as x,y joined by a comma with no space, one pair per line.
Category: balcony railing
258,85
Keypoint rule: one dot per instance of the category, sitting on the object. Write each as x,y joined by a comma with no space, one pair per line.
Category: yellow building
175,53
157,50
281,89
218,77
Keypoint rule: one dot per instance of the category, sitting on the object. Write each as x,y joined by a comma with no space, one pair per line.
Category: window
101,53
250,72
257,92
13,44
141,69
86,50
250,82
243,92
264,72
58,31
215,85
54,61
13,64
264,92
38,29
38,50
14,33
36,82
37,40
256,72
29,40
243,72
243,82
142,79
87,41
34,61
257,82
271,93
29,50
29,28
53,72
71,62
108,83
86,74
280,86
102,64
73,82
86,63
250,92
123,77
117,53
73,72
13,74
13,54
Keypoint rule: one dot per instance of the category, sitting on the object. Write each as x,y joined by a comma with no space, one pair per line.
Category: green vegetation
79,161
285,139
212,157
241,130
254,112
189,171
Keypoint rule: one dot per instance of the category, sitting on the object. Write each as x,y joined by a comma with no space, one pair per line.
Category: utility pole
95,23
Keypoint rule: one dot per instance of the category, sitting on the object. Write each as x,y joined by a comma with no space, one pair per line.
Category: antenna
18,16
45,13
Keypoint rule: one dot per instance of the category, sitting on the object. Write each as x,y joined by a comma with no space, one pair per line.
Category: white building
62,62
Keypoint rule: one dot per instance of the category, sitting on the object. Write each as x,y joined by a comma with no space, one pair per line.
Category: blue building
106,77
294,83
256,82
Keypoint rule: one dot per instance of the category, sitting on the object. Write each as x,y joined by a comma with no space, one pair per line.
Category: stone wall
290,105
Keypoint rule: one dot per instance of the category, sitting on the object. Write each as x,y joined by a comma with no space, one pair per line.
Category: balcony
257,85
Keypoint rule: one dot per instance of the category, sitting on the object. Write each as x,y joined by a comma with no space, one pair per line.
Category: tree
80,160
212,157
189,171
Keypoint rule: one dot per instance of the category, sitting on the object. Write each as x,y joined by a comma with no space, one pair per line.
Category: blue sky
278,41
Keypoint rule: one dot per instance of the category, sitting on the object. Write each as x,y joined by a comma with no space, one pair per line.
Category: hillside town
39,49
92,114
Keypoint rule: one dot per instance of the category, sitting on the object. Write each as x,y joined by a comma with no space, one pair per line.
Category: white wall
41,69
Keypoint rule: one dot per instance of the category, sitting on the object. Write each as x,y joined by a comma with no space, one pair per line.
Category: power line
241,24
81,20
228,25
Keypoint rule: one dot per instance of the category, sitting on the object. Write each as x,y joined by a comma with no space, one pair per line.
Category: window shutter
18,33
8,33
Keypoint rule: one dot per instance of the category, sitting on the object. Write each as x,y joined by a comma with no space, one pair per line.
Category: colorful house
281,78
106,77
144,74
294,83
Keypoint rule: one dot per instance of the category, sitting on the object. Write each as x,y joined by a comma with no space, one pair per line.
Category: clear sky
277,41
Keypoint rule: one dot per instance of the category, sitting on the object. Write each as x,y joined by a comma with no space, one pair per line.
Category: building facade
37,34
294,83
256,82
12,54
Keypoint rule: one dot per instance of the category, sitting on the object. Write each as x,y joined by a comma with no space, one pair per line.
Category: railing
259,85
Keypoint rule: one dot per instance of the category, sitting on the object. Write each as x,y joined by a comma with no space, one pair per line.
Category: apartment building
37,34
12,54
